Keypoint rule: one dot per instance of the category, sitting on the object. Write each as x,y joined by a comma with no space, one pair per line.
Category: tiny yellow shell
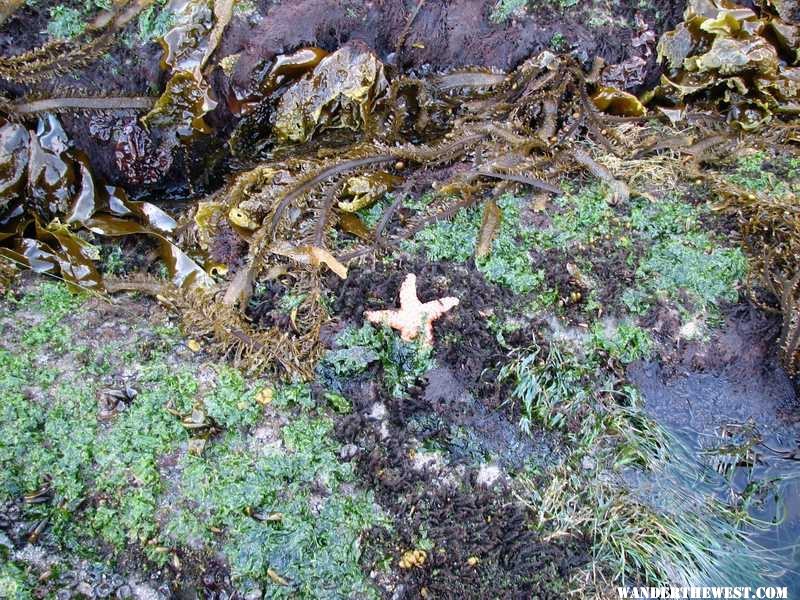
266,395
412,558
241,219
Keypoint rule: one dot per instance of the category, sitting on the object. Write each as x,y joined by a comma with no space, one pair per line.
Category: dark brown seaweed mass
443,35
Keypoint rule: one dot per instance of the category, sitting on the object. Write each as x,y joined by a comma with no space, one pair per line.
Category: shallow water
736,438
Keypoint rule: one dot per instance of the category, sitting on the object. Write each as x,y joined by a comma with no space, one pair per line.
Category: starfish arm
396,320
428,331
437,308
408,334
407,327
408,292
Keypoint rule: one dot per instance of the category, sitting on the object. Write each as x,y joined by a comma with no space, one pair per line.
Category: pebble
488,475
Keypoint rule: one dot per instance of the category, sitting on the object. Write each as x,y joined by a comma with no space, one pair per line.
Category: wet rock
348,451
488,475
378,412
493,432
143,591
588,463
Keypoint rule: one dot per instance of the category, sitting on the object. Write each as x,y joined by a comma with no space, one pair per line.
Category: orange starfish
413,315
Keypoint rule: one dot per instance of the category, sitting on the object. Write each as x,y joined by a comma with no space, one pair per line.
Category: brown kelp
51,209
61,56
346,133
732,59
732,64
770,229
177,114
187,47
322,135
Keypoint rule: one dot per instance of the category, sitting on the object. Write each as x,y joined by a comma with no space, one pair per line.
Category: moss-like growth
508,263
274,515
65,22
403,363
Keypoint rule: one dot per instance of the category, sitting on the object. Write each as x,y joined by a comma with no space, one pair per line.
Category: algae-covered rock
339,93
